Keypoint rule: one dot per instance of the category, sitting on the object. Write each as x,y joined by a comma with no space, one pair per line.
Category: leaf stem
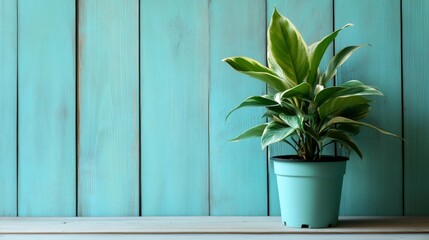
290,144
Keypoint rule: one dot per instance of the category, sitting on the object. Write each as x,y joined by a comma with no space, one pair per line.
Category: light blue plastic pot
309,192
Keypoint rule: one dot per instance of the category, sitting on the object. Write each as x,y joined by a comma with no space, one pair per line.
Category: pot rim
296,158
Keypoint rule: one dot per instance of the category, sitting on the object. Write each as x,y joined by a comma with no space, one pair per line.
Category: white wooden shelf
130,228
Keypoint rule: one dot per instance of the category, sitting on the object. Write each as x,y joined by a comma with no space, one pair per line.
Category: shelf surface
207,227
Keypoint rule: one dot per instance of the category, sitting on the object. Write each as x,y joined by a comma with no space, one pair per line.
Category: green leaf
275,132
268,114
341,137
318,89
356,112
272,64
251,132
337,61
310,131
355,84
336,105
286,108
344,120
349,128
350,88
326,94
255,101
256,70
316,52
287,49
301,91
357,88
292,120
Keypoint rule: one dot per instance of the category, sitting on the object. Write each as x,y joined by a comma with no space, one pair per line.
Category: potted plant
307,114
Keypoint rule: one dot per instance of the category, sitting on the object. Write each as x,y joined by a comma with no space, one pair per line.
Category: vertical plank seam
208,109
267,155
77,109
402,107
140,124
17,106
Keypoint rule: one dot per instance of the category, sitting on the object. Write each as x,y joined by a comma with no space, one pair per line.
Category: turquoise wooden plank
174,107
373,186
8,106
109,114
238,172
47,151
314,19
415,20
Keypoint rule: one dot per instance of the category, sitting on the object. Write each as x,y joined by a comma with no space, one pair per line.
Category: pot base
308,226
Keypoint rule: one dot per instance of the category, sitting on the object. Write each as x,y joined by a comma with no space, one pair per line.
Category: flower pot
309,191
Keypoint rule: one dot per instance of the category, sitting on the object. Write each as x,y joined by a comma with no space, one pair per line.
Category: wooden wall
117,107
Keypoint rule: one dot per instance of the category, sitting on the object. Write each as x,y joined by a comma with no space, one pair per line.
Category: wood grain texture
188,165
238,176
46,43
314,19
411,236
215,236
373,186
109,112
174,107
8,106
415,17
206,225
